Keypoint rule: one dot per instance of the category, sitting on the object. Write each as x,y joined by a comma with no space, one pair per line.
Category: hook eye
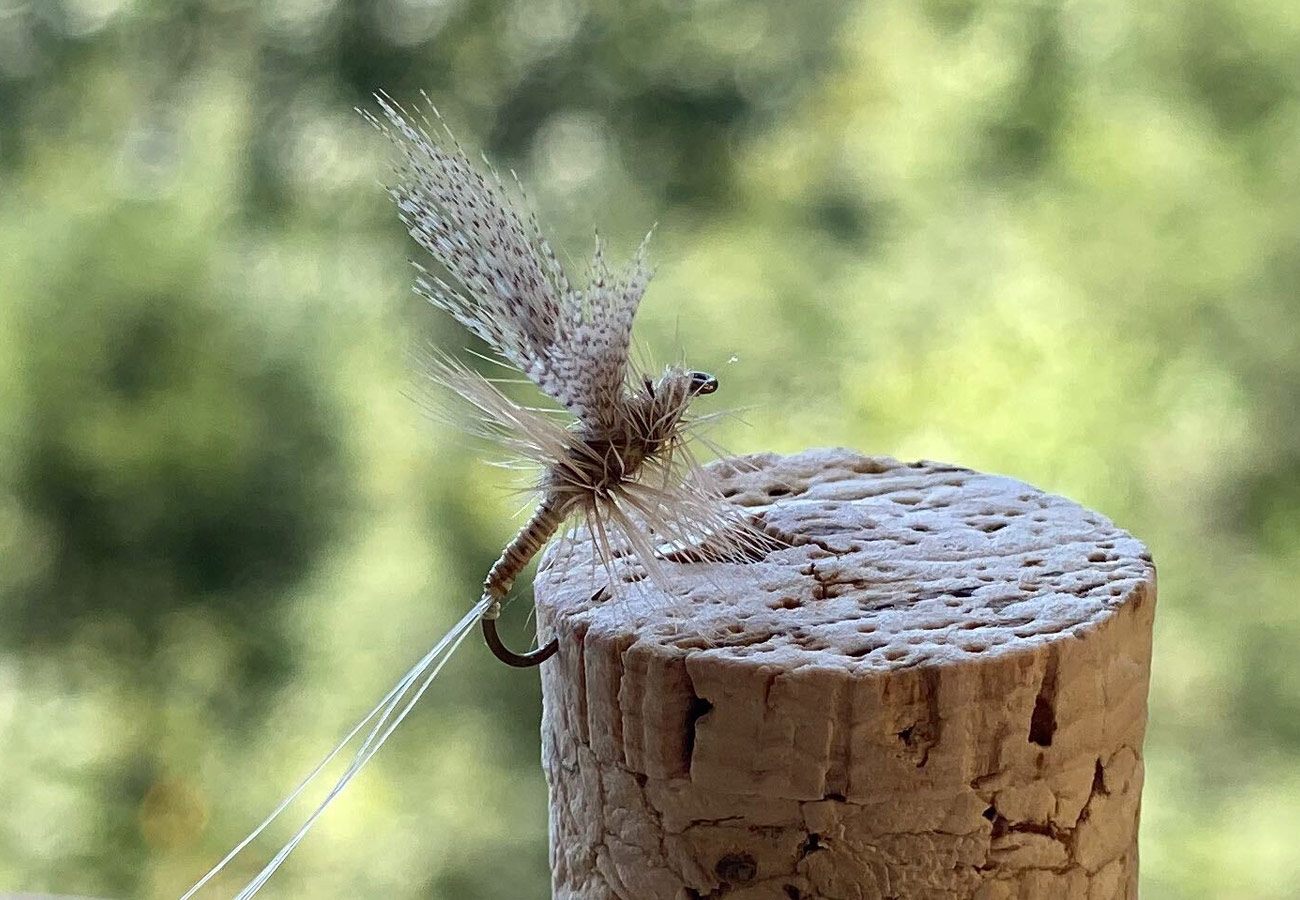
703,383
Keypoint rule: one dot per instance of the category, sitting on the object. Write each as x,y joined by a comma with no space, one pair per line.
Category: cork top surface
885,565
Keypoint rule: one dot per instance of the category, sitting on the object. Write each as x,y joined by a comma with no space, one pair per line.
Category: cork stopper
936,687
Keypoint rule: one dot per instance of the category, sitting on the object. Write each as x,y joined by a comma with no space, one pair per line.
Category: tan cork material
937,689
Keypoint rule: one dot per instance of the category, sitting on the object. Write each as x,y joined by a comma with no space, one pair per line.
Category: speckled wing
507,286
595,336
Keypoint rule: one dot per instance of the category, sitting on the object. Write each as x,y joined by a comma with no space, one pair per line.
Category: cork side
938,684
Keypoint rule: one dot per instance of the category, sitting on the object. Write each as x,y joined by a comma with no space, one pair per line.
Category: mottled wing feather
506,285
595,338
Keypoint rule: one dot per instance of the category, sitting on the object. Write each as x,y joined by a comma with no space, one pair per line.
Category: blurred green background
1056,241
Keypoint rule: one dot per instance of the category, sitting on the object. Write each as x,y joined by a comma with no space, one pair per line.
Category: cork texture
936,688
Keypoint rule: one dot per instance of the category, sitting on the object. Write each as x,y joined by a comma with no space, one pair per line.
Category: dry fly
621,470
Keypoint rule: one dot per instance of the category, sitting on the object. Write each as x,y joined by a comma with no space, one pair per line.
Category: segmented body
527,543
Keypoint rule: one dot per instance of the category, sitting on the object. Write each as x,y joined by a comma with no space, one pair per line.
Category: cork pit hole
736,868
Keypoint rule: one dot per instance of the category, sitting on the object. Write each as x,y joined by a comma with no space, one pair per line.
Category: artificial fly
621,469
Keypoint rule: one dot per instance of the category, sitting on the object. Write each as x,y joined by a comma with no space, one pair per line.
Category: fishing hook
508,656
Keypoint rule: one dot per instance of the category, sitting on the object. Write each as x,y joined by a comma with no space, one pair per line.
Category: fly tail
386,716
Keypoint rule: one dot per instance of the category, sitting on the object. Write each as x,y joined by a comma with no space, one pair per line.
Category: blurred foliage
1057,241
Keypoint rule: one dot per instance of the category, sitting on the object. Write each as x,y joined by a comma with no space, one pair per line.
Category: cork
936,688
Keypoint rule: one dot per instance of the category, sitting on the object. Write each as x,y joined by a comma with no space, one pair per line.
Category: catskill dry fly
616,464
